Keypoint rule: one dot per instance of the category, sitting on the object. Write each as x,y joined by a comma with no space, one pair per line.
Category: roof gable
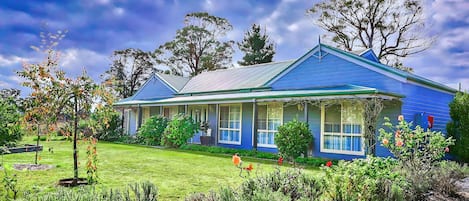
175,82
154,88
247,77
370,55
321,50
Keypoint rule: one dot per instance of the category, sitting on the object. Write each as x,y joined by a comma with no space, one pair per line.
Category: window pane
346,143
357,143
271,138
262,117
332,119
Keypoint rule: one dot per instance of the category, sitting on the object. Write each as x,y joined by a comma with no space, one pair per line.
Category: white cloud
11,60
208,5
118,11
74,61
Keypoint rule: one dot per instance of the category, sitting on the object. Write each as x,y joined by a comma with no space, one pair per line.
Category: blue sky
97,28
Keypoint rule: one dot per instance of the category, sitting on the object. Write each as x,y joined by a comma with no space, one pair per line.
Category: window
342,128
230,124
269,118
170,111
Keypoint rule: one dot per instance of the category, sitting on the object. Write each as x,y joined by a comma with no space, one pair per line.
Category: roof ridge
250,66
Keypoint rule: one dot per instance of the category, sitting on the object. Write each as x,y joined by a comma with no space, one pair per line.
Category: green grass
176,173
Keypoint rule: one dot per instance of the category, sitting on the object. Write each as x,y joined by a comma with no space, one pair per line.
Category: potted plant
205,138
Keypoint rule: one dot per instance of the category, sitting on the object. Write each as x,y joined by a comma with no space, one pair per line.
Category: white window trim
275,131
231,129
324,150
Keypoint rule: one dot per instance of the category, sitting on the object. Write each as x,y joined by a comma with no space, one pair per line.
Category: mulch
32,167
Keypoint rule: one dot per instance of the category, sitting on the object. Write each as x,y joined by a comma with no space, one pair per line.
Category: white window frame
230,129
324,150
267,126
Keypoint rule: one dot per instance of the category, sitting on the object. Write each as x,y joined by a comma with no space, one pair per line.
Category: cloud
11,60
74,60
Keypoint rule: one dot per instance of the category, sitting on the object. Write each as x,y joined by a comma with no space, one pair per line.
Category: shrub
444,174
145,191
458,127
416,150
292,184
180,129
106,122
365,179
10,129
293,139
153,129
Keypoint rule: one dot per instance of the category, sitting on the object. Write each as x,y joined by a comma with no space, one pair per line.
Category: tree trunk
75,151
37,142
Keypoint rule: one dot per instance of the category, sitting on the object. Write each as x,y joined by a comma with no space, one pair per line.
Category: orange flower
399,143
236,160
385,141
400,118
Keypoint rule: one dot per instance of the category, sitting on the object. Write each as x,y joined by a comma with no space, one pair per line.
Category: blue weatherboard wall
333,71
391,109
420,99
154,88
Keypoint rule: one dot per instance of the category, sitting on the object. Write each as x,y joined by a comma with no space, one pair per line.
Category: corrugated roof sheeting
235,78
177,82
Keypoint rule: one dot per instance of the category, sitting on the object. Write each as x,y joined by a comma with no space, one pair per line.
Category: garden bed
32,167
24,148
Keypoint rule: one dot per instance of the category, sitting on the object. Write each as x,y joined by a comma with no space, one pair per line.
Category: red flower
447,149
329,163
280,161
249,168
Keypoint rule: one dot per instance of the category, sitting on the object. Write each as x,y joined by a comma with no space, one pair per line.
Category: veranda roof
342,92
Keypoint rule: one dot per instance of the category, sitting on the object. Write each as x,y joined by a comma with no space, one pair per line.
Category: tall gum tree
198,47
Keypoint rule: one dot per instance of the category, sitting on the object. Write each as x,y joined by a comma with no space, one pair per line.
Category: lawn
176,173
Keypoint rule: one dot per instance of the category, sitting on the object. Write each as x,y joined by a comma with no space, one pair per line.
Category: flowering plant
416,149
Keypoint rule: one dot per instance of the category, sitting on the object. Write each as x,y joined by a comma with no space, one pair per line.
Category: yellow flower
400,118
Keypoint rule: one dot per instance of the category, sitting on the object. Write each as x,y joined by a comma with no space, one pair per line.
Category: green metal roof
246,77
344,91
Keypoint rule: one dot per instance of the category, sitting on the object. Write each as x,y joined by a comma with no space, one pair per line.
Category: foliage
365,179
152,130
458,127
416,150
10,129
179,130
444,174
92,161
393,29
129,70
10,182
106,122
293,139
197,46
256,46
144,191
292,184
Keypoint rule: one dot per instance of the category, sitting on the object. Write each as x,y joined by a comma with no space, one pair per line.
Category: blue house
323,88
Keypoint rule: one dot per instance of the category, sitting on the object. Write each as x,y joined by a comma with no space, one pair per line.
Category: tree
256,46
458,127
392,28
197,46
129,70
54,94
10,126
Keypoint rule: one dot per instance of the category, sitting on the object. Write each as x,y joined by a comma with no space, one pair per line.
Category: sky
98,27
